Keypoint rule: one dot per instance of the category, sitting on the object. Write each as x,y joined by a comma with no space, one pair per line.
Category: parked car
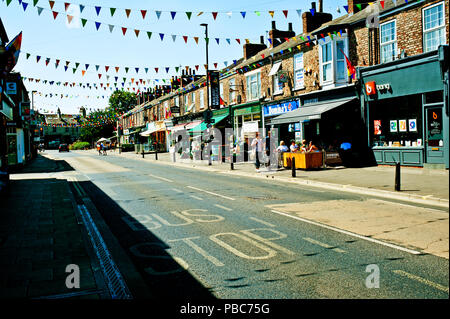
63,148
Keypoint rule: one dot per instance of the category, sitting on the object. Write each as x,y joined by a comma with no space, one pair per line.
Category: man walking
257,145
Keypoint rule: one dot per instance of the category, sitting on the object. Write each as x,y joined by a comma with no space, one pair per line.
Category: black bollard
209,158
232,162
293,167
142,153
397,176
156,154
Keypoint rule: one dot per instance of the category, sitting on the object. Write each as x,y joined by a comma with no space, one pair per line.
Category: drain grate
115,282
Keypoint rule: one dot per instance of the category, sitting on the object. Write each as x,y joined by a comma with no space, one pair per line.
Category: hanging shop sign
215,89
11,88
250,127
277,109
372,88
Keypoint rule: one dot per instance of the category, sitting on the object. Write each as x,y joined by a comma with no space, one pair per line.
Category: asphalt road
191,233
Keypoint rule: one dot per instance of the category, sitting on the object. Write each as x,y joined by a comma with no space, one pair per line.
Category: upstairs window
202,99
433,27
388,41
232,93
333,67
253,86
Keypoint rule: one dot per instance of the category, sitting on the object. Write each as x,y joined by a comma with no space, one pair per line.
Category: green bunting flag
83,21
149,34
189,15
112,10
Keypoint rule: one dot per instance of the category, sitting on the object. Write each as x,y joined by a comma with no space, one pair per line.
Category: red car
63,148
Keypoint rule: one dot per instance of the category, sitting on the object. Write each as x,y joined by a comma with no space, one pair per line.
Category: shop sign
413,125
175,109
215,89
250,127
11,88
402,126
282,76
393,126
25,108
277,109
371,88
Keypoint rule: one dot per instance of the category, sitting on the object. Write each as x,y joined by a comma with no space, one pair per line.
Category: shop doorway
434,136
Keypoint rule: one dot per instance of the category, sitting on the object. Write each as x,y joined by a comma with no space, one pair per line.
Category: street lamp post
207,77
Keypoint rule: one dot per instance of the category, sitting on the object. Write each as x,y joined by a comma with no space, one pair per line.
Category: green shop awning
202,126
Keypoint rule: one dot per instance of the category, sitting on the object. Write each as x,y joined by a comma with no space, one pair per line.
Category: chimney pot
313,5
290,26
274,25
262,39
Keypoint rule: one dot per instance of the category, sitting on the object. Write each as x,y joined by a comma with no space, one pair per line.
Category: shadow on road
163,274
43,164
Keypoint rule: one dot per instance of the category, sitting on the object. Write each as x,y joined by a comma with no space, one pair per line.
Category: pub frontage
405,104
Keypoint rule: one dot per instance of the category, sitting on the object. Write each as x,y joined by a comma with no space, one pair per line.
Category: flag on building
350,68
12,51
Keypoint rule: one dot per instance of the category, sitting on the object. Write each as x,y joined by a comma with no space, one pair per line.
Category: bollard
232,162
293,166
397,176
156,154
209,158
142,153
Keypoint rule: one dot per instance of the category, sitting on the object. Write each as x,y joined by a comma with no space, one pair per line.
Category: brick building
300,83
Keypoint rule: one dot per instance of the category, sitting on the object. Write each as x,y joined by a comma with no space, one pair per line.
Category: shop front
406,108
288,131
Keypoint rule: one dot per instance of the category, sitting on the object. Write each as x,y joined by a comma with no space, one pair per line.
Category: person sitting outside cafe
312,147
280,150
294,147
304,147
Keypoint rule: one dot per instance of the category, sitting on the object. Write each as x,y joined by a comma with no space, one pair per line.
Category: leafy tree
102,123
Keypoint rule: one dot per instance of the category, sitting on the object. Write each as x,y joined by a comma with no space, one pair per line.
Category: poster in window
393,126
377,127
413,125
402,126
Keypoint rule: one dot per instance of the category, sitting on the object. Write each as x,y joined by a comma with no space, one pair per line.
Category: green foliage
102,123
122,101
79,145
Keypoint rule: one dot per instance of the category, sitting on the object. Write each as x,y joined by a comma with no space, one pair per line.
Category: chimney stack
251,49
352,8
277,36
312,22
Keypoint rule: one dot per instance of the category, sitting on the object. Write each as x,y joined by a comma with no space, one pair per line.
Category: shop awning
275,68
184,126
309,112
202,126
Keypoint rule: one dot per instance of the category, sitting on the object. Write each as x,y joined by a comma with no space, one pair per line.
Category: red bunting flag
238,41
262,56
196,67
143,12
106,68
156,70
117,69
382,3
215,65
99,75
55,14
136,32
196,39
127,12
124,30
52,3
214,15
285,12
185,38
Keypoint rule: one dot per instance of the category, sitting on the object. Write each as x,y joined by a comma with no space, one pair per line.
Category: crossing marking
223,207
208,192
316,242
422,280
262,222
161,178
414,252
195,197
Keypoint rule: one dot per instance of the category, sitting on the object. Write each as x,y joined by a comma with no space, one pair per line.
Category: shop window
434,33
253,86
333,68
274,73
388,41
396,121
299,82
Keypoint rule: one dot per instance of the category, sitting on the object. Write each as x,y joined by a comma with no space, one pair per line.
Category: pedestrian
257,145
99,149
304,147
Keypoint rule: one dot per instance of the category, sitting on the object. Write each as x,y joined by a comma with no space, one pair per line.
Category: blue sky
56,39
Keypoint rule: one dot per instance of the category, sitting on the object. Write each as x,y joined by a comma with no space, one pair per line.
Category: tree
102,123
122,101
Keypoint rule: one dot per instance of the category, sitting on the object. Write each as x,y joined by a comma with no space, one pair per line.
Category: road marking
200,250
161,178
262,222
270,252
176,190
195,197
414,252
223,207
316,242
422,280
407,205
208,192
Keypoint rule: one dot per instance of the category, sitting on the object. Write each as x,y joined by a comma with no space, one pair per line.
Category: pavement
418,185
